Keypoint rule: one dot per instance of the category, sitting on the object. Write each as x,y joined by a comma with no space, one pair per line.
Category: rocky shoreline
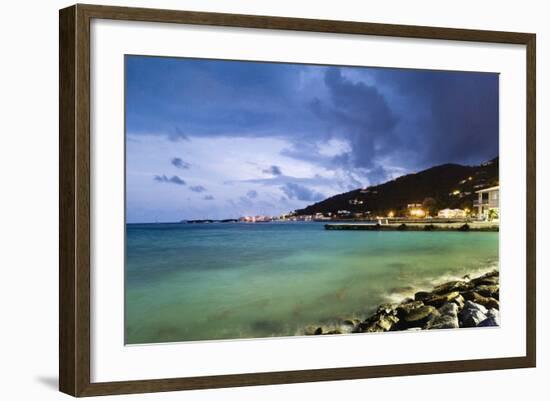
470,302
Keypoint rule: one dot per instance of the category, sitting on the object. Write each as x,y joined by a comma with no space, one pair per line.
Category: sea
230,281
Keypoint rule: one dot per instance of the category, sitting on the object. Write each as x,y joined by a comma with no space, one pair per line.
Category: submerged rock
472,314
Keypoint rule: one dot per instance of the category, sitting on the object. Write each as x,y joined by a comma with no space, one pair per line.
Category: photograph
270,199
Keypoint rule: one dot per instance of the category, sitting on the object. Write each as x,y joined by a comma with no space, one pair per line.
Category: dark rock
472,314
464,227
440,300
318,331
418,317
422,295
488,302
310,330
406,308
453,286
402,227
447,319
488,291
493,280
336,331
493,273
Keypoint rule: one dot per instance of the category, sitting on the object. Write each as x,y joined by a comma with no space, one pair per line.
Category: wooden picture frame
74,203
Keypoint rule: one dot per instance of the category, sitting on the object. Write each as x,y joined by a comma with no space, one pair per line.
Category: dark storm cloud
455,115
169,180
273,170
179,163
197,188
300,192
392,119
252,194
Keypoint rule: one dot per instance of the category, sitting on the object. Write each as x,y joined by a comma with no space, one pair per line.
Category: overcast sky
223,139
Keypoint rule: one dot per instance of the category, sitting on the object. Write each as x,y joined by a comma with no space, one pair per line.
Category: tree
492,215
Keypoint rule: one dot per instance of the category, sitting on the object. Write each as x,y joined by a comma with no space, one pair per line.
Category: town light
391,214
417,212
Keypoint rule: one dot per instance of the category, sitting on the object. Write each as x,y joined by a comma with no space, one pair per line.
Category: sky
214,139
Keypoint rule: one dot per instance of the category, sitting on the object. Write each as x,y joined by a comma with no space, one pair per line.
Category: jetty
432,226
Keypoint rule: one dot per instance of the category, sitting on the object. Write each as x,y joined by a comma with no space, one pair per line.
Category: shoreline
466,302
414,226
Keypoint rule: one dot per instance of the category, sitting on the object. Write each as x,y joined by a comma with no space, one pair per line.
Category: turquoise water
187,282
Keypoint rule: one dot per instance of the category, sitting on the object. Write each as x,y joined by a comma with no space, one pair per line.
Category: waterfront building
487,203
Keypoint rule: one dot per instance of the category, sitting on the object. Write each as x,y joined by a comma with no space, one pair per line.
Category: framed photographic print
250,200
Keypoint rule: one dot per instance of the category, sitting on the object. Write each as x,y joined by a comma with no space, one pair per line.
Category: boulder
388,309
452,286
493,280
488,290
447,319
422,295
405,308
377,323
417,317
440,300
310,330
318,331
492,273
488,302
472,314
459,301
493,319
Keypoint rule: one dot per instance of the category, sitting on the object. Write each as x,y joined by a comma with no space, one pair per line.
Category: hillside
439,187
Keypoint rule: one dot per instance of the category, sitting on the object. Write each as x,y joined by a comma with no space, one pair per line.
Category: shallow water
189,282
